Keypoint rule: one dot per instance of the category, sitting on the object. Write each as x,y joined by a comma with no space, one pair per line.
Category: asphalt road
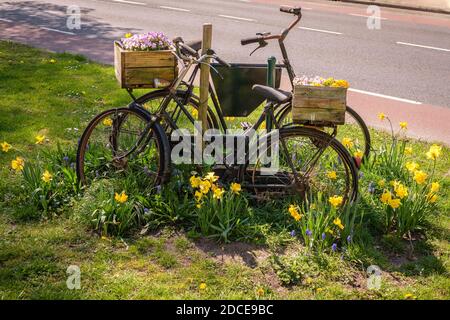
408,58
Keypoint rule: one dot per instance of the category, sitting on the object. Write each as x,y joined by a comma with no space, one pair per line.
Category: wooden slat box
144,69
319,105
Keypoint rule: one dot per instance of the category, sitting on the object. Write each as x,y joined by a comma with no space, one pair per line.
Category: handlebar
244,42
186,52
292,10
297,11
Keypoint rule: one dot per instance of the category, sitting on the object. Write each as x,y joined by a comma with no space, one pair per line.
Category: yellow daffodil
408,150
332,174
386,197
381,183
218,193
18,164
121,198
435,187
5,146
47,176
235,188
198,205
194,113
340,83
195,181
358,154
347,142
394,203
107,122
294,212
381,116
432,198
204,186
198,196
434,152
128,35
202,286
319,290
412,166
403,125
260,292
211,177
338,223
52,61
410,296
420,176
401,191
336,201
40,139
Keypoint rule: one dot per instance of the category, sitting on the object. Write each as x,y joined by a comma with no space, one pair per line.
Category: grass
56,95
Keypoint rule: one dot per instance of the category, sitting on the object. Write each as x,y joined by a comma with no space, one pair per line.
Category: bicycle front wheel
354,134
121,143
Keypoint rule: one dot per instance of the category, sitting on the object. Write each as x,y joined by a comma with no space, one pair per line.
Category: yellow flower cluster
5,146
203,186
347,142
293,210
121,198
47,176
434,152
387,198
336,201
337,222
18,164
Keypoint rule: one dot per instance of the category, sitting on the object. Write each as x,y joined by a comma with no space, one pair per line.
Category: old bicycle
133,140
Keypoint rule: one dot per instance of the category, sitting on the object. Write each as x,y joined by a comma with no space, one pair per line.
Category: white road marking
5,20
366,16
384,96
175,9
56,30
236,18
422,46
319,30
130,2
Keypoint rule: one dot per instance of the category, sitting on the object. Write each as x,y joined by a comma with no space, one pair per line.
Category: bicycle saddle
271,94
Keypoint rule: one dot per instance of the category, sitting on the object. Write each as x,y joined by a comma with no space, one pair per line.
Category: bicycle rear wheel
120,143
315,163
354,133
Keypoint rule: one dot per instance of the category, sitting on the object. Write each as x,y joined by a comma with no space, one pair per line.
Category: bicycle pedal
246,125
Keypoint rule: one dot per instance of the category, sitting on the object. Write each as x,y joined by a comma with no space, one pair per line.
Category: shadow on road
29,20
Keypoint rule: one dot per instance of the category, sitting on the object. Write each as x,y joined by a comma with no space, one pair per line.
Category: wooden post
204,77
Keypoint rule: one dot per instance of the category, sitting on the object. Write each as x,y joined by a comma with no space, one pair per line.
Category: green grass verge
56,95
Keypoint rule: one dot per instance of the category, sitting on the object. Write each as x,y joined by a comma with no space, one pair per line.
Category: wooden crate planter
144,69
319,105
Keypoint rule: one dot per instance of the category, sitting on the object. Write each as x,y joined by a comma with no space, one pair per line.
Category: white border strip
319,30
56,30
174,9
365,16
130,2
236,18
422,46
384,96
5,20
